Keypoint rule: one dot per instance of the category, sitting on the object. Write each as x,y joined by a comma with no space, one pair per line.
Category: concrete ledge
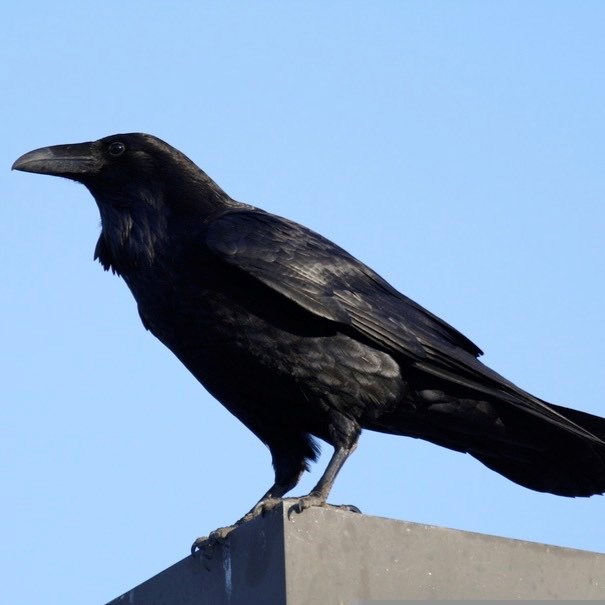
330,557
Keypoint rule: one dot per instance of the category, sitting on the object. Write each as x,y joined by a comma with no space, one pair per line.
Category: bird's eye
116,149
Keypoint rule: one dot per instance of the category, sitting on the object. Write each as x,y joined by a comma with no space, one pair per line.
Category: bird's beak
71,161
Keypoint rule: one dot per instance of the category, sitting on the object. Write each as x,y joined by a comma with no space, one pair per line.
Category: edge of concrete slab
328,556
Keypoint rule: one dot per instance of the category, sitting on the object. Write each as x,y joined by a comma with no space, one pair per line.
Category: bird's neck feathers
134,230
137,218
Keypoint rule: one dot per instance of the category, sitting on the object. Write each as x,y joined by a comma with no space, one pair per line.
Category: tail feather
562,454
550,457
574,472
589,422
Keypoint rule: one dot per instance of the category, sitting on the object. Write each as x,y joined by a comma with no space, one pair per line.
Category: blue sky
456,147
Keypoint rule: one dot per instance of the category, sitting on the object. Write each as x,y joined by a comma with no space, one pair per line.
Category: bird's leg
319,494
287,475
272,498
289,465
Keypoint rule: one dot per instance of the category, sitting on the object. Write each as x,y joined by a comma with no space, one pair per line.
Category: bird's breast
246,344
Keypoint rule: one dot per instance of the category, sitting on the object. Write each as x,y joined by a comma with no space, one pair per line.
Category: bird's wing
328,282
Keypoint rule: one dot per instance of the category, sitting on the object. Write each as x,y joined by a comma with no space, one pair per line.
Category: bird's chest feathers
190,305
131,238
186,297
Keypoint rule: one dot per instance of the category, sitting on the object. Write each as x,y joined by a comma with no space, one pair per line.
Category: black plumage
298,339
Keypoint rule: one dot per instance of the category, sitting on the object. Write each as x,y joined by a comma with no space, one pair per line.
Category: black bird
300,340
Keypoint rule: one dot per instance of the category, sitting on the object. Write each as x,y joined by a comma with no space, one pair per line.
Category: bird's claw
262,508
207,544
309,501
218,536
199,544
351,508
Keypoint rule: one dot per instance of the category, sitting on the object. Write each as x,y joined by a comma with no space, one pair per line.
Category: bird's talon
198,545
295,508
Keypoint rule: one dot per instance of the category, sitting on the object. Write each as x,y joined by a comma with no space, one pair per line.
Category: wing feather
328,282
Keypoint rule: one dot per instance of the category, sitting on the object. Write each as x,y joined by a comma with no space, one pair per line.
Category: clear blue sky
456,147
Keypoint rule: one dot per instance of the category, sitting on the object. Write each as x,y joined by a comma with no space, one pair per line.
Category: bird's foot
301,504
208,543
260,509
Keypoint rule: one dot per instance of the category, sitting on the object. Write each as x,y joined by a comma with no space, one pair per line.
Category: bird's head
140,184
118,165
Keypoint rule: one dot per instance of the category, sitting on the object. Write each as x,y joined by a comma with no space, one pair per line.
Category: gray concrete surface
328,557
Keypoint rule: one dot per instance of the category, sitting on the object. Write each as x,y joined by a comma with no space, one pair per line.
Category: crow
301,341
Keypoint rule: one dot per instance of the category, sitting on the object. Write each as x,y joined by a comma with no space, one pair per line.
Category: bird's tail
555,460
561,453
589,422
